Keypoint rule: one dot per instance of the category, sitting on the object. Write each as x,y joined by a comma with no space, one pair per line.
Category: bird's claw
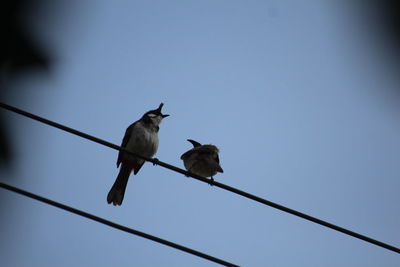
188,175
156,160
211,181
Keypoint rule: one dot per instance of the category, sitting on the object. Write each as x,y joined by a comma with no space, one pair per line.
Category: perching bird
141,137
202,160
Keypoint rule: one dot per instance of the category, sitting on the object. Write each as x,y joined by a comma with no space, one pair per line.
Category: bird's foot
187,175
211,181
156,160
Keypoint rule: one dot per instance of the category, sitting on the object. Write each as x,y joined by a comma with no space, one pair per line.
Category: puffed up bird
202,160
141,137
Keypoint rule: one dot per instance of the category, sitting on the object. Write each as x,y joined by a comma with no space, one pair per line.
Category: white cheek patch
156,119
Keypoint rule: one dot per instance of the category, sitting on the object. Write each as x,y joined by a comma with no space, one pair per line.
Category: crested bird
141,137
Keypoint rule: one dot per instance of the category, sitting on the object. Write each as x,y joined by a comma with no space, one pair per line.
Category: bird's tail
219,169
117,191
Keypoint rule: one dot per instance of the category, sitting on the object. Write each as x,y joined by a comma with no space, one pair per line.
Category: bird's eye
152,115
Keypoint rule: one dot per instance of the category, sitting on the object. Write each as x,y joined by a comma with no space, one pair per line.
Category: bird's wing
125,140
136,170
187,154
200,150
216,157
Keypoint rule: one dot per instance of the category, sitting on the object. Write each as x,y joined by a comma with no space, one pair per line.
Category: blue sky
297,96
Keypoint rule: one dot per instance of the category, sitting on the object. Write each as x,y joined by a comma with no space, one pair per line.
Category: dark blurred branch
18,54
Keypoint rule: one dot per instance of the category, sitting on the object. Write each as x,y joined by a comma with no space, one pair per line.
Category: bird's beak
164,115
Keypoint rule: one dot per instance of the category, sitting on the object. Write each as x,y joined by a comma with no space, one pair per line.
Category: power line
117,226
203,179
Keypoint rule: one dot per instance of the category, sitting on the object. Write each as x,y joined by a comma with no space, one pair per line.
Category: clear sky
295,94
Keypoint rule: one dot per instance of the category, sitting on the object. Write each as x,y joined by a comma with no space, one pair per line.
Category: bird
202,160
141,137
